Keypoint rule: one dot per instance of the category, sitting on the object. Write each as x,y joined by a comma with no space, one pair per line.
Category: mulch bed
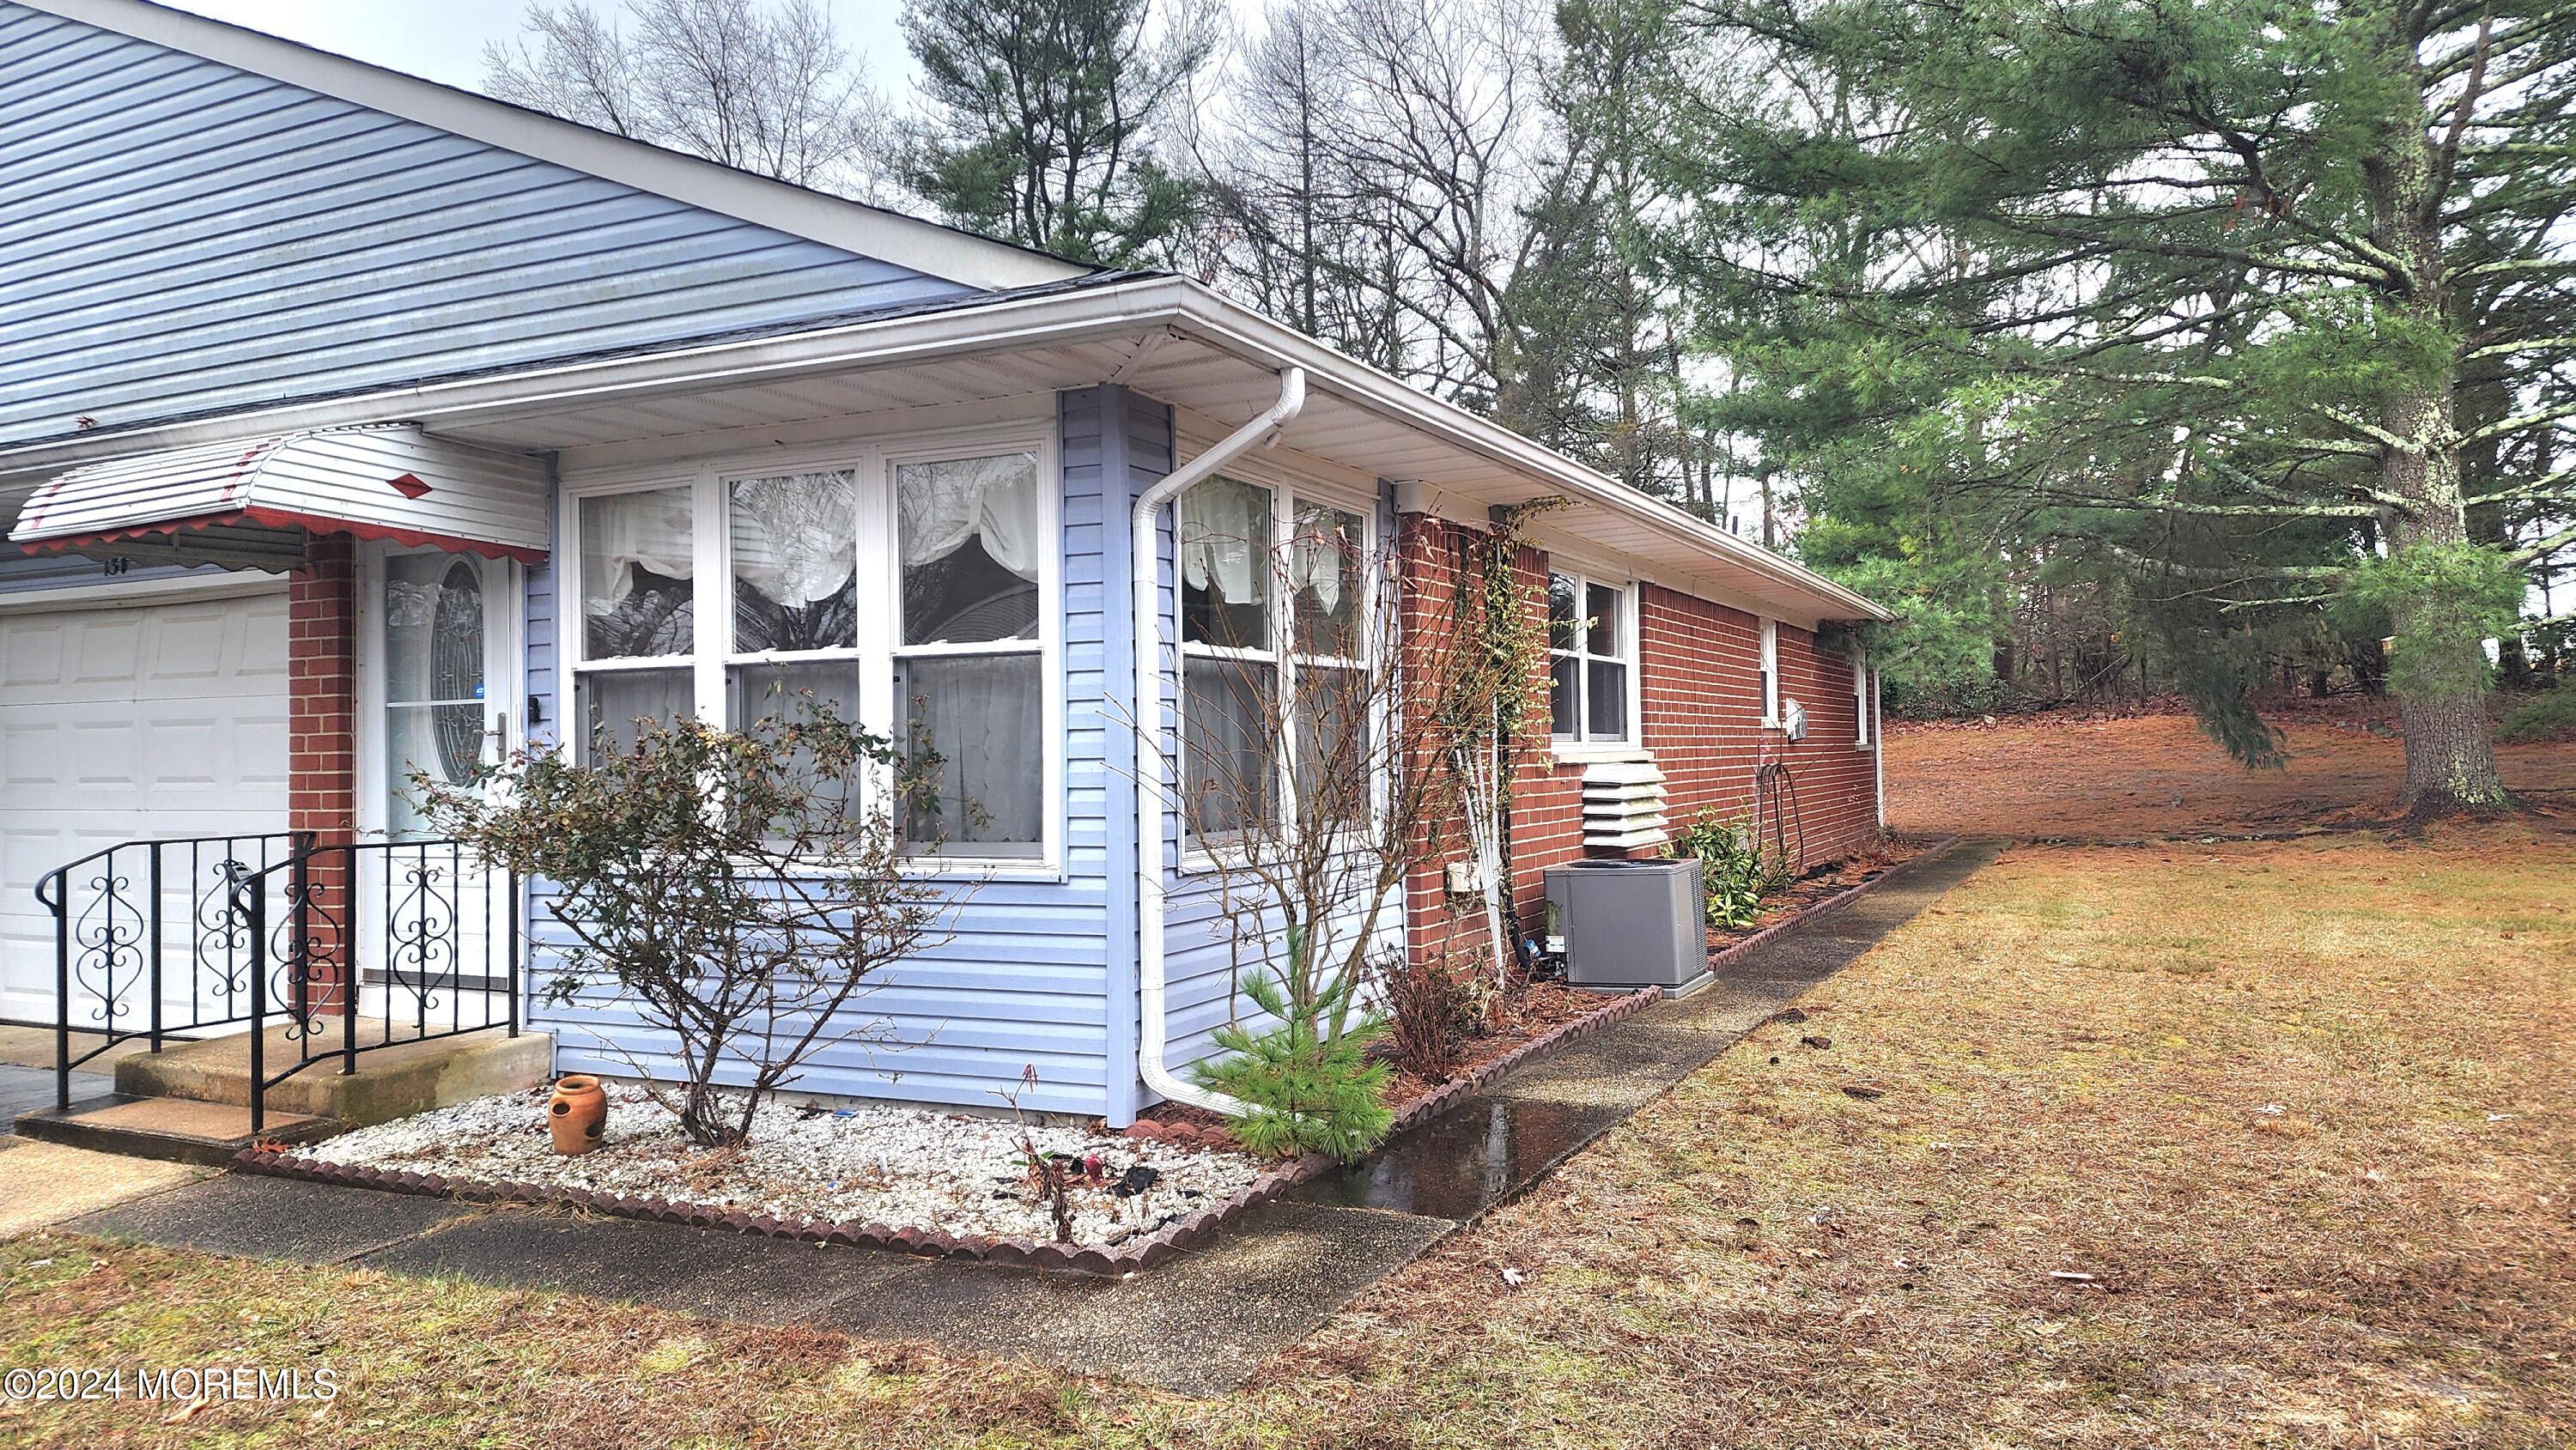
1540,1014
1819,886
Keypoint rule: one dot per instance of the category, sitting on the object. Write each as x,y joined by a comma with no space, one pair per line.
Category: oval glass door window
434,678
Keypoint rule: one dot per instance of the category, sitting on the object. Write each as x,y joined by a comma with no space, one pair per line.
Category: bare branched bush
735,890
1316,768
1431,1012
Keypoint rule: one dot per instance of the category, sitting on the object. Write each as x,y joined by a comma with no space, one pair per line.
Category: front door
435,927
444,679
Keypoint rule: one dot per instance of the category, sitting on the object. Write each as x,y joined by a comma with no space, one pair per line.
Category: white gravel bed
901,1167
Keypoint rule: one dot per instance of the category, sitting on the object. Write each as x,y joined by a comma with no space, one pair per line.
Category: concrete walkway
32,1090
1198,1325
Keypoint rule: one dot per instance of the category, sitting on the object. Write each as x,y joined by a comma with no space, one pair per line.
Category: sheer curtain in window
970,687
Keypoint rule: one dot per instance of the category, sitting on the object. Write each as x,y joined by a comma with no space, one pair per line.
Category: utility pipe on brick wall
1153,784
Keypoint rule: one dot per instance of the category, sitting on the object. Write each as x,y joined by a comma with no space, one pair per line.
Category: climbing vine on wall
1495,653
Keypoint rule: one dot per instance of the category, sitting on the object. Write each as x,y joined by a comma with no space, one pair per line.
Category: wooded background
2122,347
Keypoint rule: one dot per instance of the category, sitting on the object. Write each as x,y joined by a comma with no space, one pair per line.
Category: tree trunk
2441,694
2441,703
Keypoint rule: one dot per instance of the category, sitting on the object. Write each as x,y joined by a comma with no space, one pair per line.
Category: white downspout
1153,789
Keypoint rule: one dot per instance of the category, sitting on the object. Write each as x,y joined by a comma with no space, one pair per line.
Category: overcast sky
443,39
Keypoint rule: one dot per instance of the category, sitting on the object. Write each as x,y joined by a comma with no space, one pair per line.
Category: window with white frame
1274,652
1770,672
955,553
1860,701
1590,646
970,685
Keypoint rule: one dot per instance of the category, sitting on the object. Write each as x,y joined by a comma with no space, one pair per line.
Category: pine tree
2252,306
1042,120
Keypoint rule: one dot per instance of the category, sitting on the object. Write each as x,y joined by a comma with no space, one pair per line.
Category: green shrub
1732,866
1311,1089
2545,716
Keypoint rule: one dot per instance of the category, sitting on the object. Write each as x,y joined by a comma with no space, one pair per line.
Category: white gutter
1153,787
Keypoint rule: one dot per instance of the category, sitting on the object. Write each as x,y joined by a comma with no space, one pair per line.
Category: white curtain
1322,557
939,506
980,715
795,537
1225,540
626,531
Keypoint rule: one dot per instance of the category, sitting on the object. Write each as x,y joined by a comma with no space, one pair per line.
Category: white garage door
117,724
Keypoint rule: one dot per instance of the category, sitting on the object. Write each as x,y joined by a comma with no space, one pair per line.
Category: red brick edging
1143,1252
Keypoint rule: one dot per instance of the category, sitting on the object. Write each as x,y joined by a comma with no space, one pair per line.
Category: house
350,424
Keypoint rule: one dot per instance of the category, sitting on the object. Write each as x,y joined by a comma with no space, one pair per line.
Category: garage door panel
158,721
104,752
35,654
108,651
190,652
263,639
260,756
30,754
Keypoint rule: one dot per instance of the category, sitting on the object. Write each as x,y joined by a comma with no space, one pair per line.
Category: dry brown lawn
2149,775
2237,1144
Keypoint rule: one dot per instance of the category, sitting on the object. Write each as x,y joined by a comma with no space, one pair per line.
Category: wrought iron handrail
297,934
434,906
114,942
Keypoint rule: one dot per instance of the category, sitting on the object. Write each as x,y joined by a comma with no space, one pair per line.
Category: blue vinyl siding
179,237
1204,952
1023,980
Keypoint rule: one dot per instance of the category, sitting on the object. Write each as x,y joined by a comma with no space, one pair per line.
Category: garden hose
1772,782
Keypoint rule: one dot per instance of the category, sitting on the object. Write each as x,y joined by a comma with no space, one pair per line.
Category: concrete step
392,1081
173,1129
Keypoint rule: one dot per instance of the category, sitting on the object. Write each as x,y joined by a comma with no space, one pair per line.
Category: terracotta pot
578,1113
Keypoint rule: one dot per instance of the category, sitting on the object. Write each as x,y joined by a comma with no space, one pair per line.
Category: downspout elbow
1153,785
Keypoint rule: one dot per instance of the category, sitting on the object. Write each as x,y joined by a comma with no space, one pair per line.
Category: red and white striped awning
253,500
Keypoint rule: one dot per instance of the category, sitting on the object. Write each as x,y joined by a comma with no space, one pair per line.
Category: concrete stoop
190,1102
175,1130
391,1081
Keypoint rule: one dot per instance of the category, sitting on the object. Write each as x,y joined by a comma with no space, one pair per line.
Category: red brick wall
1700,684
322,761
1703,706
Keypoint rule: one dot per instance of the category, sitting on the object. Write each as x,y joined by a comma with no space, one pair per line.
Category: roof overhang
1162,336
251,502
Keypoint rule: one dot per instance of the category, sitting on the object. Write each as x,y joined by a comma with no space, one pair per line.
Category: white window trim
1770,676
873,460
1866,735
1576,749
1288,488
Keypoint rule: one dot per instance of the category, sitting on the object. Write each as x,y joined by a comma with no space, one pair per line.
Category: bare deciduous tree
765,88
1371,165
